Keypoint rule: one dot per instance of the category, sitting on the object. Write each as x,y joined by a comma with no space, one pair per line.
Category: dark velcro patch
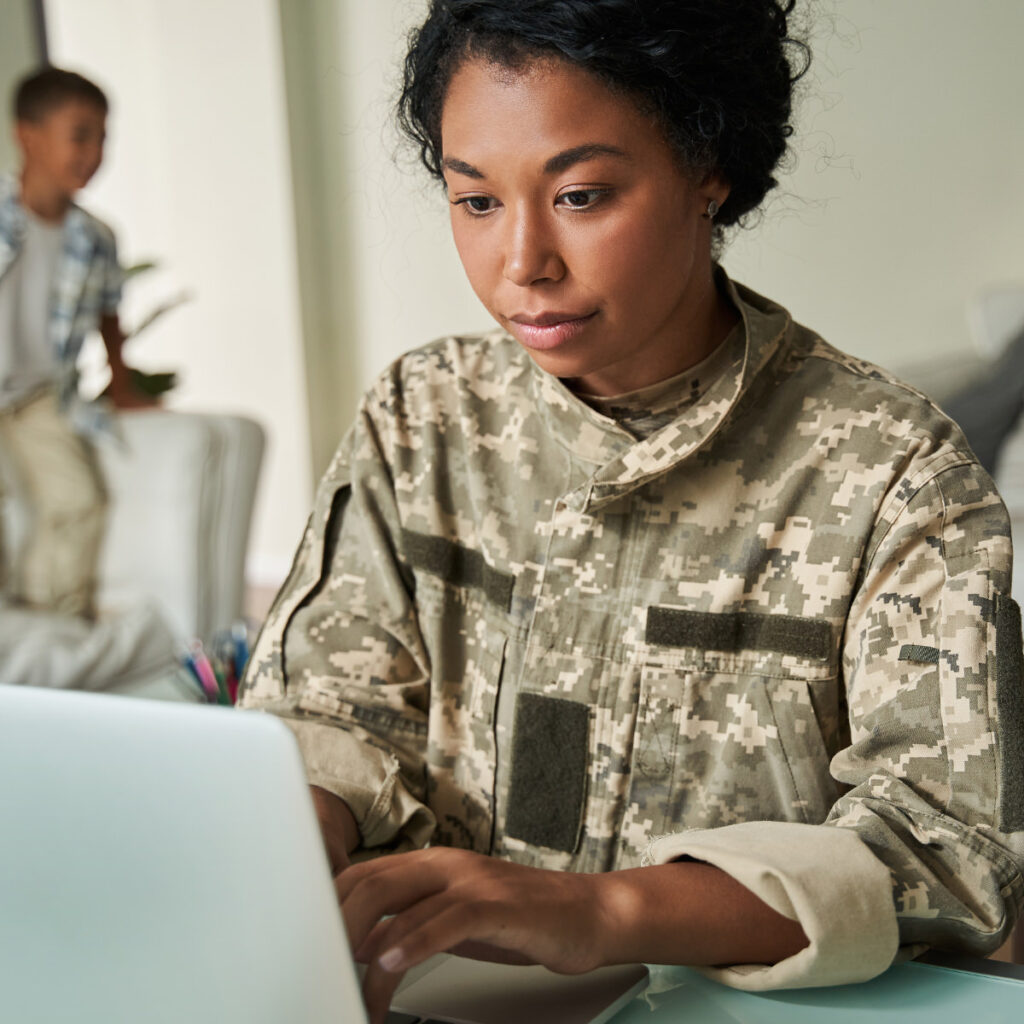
458,565
918,652
739,631
549,771
1010,708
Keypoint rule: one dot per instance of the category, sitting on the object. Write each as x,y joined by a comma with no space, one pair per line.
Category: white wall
197,175
906,197
393,278
18,55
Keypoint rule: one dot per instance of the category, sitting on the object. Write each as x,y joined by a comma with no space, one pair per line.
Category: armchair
181,489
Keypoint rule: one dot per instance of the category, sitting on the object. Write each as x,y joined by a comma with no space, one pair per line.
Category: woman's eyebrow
555,165
578,154
452,163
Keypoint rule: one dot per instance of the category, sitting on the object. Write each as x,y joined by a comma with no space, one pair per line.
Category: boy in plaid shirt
59,279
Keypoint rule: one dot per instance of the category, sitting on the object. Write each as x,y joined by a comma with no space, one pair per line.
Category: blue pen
186,659
240,636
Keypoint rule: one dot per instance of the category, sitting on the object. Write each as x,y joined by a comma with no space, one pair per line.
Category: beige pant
57,476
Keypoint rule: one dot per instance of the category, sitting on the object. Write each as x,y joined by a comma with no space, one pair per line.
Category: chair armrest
181,490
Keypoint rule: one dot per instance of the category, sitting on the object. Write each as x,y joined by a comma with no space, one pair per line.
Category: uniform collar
620,464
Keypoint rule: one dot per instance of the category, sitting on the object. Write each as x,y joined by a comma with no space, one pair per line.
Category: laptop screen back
162,863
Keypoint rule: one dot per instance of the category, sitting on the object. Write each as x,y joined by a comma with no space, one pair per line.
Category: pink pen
204,670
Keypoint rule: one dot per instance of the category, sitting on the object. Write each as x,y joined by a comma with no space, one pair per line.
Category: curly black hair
717,74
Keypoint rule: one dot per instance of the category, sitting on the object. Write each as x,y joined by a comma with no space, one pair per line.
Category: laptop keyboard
406,1018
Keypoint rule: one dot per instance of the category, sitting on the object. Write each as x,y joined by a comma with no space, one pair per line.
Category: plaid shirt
87,286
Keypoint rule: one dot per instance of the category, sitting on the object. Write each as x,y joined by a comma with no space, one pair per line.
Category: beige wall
904,201
908,193
393,279
18,54
197,175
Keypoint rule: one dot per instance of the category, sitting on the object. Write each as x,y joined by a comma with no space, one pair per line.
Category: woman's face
577,227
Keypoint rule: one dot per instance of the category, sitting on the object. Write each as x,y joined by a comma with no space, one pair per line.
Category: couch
181,488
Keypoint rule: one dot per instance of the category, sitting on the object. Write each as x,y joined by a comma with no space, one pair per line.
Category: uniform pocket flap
739,631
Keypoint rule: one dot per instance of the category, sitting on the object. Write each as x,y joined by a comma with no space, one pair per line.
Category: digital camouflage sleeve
774,635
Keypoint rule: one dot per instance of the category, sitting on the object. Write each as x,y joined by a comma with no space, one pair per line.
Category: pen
240,636
186,659
203,670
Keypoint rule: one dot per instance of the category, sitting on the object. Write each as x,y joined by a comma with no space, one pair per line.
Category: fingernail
392,960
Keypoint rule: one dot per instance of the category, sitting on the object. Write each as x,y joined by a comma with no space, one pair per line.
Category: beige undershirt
645,411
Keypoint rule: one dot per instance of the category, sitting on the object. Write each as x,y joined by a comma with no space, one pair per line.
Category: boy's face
65,148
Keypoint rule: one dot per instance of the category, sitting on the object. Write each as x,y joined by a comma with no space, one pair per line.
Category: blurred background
251,154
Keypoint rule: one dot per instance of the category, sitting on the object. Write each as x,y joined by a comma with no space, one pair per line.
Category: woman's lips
549,330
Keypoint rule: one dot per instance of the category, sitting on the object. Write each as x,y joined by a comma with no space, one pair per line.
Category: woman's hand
451,900
446,900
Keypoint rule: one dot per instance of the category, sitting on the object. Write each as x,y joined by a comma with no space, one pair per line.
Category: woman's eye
581,198
476,205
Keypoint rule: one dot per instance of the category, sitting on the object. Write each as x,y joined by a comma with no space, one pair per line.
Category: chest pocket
460,602
462,750
735,719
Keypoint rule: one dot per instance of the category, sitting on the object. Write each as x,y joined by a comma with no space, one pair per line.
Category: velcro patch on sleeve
919,652
458,565
739,631
1010,709
549,771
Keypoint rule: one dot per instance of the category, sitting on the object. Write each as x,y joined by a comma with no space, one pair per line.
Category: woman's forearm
691,913
337,826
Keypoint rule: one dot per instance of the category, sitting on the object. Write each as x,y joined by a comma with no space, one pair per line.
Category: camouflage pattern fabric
789,605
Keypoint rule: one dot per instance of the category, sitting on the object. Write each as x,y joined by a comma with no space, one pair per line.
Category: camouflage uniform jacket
774,636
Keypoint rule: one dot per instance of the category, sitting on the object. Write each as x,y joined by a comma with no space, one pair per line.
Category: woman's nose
531,252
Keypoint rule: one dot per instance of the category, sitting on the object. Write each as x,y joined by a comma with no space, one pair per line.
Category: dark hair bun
718,74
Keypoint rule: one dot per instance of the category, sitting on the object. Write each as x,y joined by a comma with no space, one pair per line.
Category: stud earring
712,209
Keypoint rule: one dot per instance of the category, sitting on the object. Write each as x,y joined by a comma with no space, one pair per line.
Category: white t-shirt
28,361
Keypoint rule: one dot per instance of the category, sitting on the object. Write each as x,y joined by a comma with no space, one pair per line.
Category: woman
649,571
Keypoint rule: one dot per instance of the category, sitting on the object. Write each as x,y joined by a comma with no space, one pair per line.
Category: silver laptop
162,863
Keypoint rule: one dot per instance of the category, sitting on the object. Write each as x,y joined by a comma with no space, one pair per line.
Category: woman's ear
713,191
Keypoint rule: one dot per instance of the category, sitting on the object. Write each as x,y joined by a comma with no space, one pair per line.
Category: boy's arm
123,392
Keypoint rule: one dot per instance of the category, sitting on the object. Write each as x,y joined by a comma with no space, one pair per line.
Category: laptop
162,862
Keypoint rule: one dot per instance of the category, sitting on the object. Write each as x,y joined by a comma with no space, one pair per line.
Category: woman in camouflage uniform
651,574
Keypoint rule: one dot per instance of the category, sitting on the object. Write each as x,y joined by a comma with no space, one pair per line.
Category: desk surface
911,993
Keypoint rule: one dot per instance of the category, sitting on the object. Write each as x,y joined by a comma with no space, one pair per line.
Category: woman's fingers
367,896
378,990
446,900
393,930
373,942
443,925
420,863
436,925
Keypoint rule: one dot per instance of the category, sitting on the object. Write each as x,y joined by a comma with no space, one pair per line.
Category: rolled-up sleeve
925,847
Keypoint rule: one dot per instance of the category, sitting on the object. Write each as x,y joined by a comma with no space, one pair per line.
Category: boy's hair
41,92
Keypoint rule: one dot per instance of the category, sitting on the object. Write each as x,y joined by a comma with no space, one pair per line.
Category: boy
59,279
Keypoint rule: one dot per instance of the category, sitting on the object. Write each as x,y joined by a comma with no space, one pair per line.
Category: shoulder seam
926,475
